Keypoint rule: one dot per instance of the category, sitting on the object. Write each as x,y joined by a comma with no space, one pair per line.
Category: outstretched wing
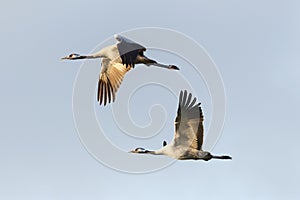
128,50
111,76
189,122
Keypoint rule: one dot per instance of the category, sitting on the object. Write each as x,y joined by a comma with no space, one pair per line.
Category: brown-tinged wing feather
111,76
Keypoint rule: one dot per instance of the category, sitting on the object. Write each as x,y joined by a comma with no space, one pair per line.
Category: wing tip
188,100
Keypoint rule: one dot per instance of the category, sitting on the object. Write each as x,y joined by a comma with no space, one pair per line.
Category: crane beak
64,58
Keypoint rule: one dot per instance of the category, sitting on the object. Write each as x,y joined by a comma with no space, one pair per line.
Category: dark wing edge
106,92
190,111
110,81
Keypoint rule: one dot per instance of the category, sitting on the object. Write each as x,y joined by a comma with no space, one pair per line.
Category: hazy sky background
256,47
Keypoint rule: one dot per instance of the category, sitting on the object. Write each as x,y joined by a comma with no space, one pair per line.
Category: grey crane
188,138
116,61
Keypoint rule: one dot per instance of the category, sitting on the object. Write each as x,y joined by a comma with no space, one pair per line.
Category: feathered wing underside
189,122
129,51
111,76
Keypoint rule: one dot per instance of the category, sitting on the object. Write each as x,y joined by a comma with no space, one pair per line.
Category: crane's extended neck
144,151
155,152
75,56
92,56
88,56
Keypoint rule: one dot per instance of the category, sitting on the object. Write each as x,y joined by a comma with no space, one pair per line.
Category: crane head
139,150
72,56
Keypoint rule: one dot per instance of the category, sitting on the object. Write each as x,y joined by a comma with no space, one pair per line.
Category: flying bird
188,138
116,61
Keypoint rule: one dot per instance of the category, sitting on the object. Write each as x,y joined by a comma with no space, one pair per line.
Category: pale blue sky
256,47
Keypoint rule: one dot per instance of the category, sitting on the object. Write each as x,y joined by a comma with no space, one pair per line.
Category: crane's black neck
83,57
